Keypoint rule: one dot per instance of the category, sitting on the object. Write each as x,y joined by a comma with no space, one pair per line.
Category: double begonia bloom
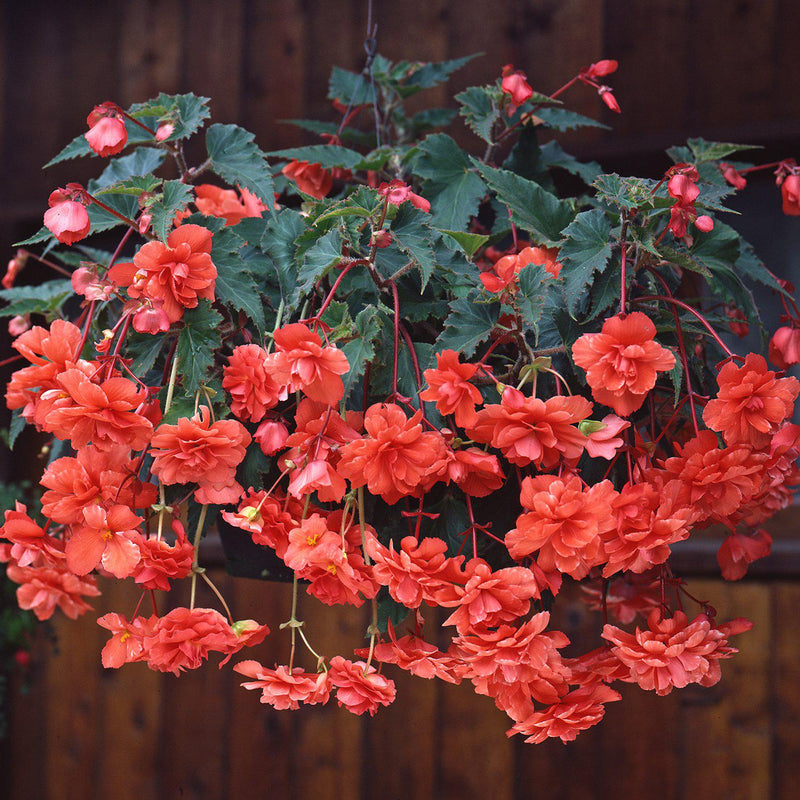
247,377
125,646
359,688
505,271
415,655
197,450
285,689
177,274
311,179
622,362
673,652
396,458
212,201
528,430
183,638
301,363
105,413
738,551
105,539
752,402
576,711
790,194
161,562
30,544
564,522
450,389
43,589
476,473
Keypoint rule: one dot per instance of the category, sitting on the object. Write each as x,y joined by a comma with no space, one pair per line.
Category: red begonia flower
397,192
105,539
107,134
790,193
67,219
784,347
43,589
212,201
738,551
311,179
450,388
283,688
248,378
359,688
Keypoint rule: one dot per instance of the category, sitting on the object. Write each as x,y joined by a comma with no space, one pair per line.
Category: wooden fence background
723,69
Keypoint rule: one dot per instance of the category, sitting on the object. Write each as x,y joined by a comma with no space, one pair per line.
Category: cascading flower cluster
410,398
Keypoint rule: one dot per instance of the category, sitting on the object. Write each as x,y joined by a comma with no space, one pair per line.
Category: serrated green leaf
176,195
141,162
15,428
480,108
676,376
352,135
42,235
325,253
531,288
197,341
451,186
751,266
467,325
330,156
361,350
468,242
77,148
45,298
624,193
423,121
562,119
144,349
279,244
389,610
235,285
236,158
350,88
429,75
533,208
713,151
717,249
554,155
103,220
412,235
585,252
188,112
525,158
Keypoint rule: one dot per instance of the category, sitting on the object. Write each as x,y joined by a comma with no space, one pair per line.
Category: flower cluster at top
411,392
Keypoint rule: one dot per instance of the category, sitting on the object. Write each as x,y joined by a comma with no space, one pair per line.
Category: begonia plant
404,374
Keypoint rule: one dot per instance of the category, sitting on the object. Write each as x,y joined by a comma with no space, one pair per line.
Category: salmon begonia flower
125,646
574,712
359,688
738,551
602,440
311,179
283,688
301,363
105,414
505,271
515,83
67,218
398,192
622,362
751,403
30,544
673,652
105,539
528,430
177,274
161,562
396,458
212,201
626,596
197,450
564,522
247,377
784,347
450,388
415,655
43,589
107,134
790,194
476,473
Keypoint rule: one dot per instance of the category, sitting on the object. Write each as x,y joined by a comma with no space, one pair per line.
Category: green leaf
237,159
533,208
451,186
350,88
235,285
279,244
187,111
529,299
361,138
144,348
555,156
361,350
468,242
325,253
176,195
412,235
717,249
525,158
45,298
751,266
141,162
713,151
429,75
42,235
15,428
624,193
480,107
77,148
423,121
197,342
561,119
676,376
329,156
467,325
586,251
389,610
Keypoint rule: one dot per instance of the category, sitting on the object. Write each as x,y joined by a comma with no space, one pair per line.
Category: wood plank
784,689
727,731
260,739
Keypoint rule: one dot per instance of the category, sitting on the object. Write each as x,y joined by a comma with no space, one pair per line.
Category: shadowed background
721,69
